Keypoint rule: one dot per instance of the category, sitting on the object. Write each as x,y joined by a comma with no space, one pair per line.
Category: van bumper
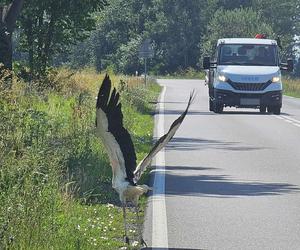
247,100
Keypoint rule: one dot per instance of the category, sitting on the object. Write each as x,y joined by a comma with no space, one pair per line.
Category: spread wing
162,141
116,139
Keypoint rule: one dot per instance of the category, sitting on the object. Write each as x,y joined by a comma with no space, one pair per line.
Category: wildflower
135,243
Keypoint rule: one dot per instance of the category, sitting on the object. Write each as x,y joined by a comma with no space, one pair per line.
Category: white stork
120,149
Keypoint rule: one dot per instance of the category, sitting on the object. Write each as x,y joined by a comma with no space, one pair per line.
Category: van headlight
276,79
222,78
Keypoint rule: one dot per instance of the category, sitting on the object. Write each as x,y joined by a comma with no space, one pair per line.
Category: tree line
108,33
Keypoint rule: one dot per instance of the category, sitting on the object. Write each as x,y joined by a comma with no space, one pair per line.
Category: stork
120,148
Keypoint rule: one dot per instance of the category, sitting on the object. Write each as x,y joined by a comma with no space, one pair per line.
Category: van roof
246,41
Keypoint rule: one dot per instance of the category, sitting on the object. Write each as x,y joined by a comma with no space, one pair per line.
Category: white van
245,73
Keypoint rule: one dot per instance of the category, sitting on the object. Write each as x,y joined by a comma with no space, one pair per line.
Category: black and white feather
118,143
120,148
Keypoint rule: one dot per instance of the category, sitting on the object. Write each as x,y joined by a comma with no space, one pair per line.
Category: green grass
291,86
55,178
189,73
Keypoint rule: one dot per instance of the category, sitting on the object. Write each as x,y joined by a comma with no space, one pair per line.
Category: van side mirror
206,62
289,65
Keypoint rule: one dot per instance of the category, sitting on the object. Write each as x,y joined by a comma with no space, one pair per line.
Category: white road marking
290,120
159,214
291,97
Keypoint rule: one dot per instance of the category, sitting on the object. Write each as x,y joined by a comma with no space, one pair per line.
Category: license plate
249,101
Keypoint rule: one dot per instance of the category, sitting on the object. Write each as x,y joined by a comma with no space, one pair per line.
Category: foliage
54,173
176,32
283,16
246,23
50,27
180,31
118,37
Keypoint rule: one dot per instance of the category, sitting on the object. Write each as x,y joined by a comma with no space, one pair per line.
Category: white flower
109,205
135,243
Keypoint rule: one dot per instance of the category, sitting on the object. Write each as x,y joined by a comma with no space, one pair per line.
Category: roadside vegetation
189,73
291,86
55,178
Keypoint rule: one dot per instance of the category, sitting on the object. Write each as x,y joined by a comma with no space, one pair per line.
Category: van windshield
248,54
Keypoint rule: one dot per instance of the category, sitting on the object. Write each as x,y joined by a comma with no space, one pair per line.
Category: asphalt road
232,180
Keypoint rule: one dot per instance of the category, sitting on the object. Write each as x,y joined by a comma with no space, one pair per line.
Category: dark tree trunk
8,15
5,42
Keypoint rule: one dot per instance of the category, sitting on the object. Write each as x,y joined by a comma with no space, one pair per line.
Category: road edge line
159,213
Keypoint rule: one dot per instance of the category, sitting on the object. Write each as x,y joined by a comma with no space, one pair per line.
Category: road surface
225,181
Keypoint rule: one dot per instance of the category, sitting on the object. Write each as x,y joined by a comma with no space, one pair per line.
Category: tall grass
291,86
189,73
54,173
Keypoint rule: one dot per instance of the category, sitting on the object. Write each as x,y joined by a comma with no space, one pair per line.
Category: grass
55,178
291,86
189,73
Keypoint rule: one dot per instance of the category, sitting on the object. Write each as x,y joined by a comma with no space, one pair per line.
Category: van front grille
249,86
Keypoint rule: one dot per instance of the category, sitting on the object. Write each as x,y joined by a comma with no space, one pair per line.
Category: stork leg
125,223
139,225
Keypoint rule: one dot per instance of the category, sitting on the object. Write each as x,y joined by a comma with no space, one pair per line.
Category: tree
246,23
174,27
8,15
51,26
284,18
176,32
116,31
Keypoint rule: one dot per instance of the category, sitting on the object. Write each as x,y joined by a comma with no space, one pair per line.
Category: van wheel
262,109
211,105
270,109
218,107
276,110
